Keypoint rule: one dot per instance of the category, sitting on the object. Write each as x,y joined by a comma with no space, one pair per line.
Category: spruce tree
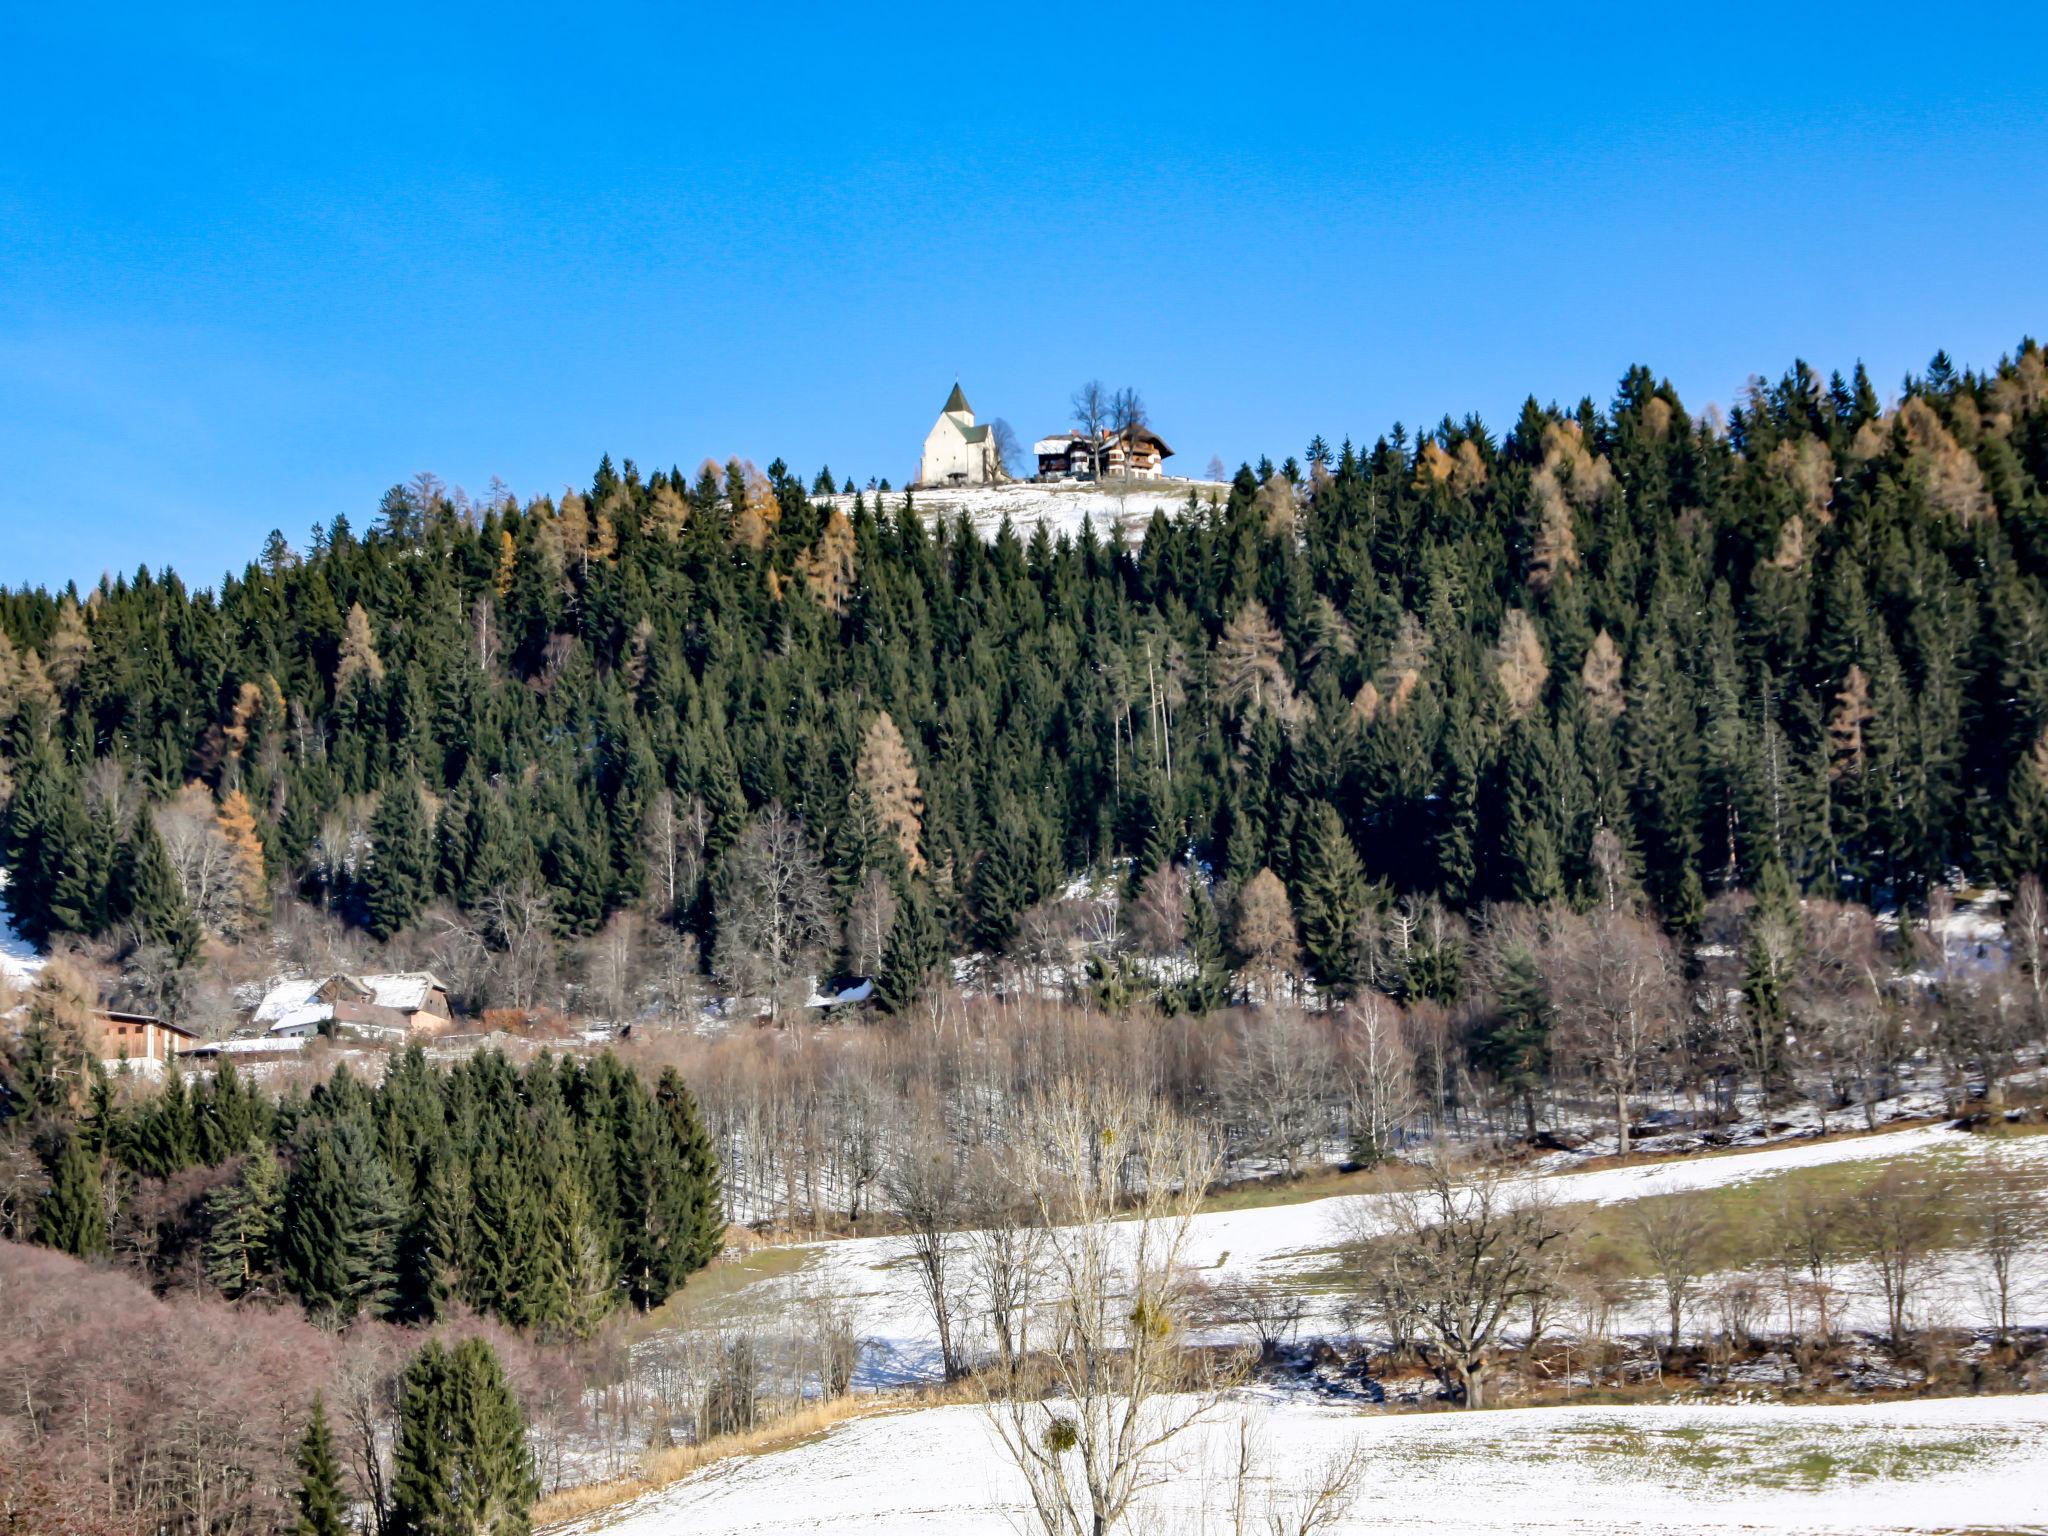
461,1466
398,878
693,1210
322,1506
148,895
913,957
1772,941
1330,897
72,1216
243,1222
1514,1043
338,1248
1208,988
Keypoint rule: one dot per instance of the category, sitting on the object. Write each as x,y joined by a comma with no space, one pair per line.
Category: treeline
1620,648
544,1198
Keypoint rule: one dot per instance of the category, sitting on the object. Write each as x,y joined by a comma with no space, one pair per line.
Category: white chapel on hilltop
956,451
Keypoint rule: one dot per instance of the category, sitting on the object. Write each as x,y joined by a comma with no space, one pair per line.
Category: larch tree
888,776
1264,933
358,658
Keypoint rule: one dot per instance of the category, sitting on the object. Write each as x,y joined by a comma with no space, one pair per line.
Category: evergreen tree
399,876
72,1216
1330,898
322,1506
1514,1043
461,1466
1772,942
914,956
243,1222
148,895
338,1247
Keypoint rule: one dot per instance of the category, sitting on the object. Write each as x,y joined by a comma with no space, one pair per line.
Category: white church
956,451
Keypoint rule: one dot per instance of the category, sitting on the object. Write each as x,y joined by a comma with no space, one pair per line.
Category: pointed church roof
956,402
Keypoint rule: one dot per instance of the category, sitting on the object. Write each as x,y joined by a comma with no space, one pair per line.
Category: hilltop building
1135,453
956,450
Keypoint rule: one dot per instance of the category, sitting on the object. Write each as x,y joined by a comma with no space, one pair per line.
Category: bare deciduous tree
1273,1084
1091,408
927,1189
519,922
1114,1181
1677,1233
1379,1075
2006,1219
1615,982
774,911
1895,1223
1463,1255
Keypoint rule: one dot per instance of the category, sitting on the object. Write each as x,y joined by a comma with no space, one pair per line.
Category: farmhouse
1131,453
387,1006
139,1038
956,450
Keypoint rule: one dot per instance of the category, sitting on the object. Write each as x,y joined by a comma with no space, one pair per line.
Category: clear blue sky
256,266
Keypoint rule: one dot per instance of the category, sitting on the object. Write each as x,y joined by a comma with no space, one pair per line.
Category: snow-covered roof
247,1045
285,997
406,991
305,1020
859,992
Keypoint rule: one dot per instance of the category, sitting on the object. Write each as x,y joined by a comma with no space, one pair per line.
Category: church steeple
956,402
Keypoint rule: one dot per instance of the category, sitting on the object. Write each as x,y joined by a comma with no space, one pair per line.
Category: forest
1486,784
1800,648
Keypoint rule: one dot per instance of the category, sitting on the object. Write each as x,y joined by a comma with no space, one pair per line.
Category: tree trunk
1621,1120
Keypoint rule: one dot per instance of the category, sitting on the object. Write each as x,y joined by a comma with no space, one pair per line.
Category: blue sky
257,264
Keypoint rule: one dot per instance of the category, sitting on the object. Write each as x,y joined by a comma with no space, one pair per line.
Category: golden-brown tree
889,775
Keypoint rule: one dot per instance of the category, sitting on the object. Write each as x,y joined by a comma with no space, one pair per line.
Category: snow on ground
1938,1464
873,1278
1060,509
19,961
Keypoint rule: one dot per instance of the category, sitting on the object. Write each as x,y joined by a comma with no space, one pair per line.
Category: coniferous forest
1807,643
1448,786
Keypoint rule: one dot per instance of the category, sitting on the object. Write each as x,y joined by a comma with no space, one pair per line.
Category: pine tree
322,1506
72,1216
399,876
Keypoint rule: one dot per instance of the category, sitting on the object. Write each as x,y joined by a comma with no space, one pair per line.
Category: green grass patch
717,1286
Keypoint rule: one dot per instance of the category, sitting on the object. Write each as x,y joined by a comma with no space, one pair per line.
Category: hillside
1613,652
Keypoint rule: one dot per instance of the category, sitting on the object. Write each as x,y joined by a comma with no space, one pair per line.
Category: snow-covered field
1276,1244
1059,509
1936,1465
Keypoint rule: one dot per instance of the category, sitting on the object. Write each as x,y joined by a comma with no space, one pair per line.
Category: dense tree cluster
1612,648
544,1198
